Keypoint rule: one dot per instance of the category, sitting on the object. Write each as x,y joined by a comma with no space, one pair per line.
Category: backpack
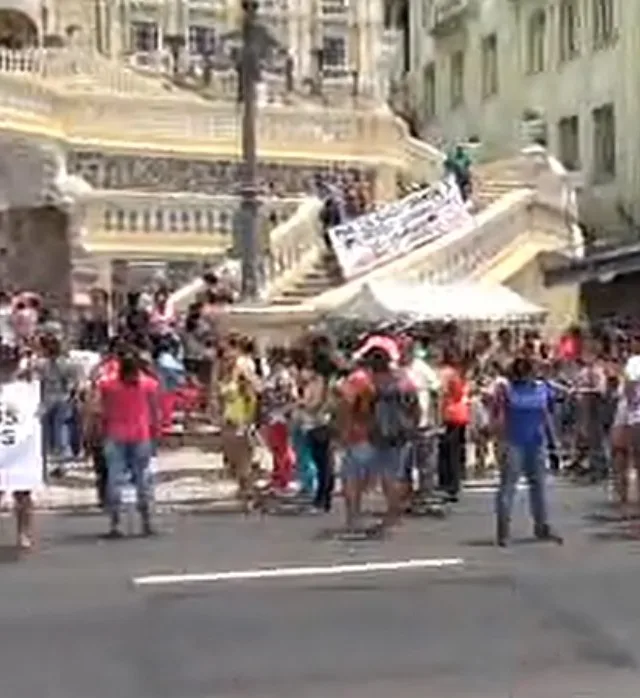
394,413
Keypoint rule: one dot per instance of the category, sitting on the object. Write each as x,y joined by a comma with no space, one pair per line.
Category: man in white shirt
625,431
427,383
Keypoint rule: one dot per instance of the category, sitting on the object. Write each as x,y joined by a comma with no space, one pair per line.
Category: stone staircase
490,190
325,273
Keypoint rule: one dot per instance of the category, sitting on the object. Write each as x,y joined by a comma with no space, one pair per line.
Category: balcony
447,16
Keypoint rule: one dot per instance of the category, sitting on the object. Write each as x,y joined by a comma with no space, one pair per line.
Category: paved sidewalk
185,477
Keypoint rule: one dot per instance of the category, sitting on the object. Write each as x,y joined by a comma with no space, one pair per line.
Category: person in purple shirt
523,417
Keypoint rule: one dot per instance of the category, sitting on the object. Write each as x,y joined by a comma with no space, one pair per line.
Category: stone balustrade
457,256
292,246
30,61
26,99
555,187
219,83
115,99
87,96
110,212
423,162
76,70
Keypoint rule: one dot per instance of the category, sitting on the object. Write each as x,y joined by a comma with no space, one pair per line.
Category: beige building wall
600,72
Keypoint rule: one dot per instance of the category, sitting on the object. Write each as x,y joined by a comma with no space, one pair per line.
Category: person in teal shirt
458,164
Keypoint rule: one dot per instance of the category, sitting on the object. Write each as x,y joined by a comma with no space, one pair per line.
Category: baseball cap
379,343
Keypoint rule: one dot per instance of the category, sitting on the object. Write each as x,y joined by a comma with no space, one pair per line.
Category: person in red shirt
128,406
456,415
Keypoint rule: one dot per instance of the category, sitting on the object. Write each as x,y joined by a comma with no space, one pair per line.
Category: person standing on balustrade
458,165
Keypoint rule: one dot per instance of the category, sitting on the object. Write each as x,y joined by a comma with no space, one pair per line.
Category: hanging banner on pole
20,436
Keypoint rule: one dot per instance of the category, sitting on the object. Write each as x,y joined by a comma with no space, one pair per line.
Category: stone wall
36,253
561,302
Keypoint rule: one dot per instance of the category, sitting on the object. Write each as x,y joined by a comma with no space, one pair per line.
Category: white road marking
292,572
490,489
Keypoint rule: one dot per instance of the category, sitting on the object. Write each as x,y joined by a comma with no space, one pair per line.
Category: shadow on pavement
365,534
616,535
84,538
491,542
611,517
80,513
10,554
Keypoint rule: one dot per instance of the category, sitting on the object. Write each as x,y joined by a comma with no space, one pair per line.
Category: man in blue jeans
59,377
522,415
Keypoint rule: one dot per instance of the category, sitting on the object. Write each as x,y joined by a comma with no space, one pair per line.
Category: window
536,35
430,90
569,18
202,40
334,7
603,28
489,66
569,141
457,79
334,53
604,142
144,36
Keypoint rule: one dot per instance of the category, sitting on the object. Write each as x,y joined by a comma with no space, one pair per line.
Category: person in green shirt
458,164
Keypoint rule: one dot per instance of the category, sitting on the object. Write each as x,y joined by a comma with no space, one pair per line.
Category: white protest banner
20,436
396,228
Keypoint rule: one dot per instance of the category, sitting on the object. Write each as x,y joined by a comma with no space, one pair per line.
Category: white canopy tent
390,301
476,301
377,304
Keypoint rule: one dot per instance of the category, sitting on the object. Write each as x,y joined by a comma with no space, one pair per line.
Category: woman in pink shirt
129,409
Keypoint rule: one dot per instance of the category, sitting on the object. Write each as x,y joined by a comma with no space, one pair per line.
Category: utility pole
248,220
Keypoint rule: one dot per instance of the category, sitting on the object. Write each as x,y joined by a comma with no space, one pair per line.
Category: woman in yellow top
239,401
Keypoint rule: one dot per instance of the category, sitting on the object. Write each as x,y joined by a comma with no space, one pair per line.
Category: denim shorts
361,461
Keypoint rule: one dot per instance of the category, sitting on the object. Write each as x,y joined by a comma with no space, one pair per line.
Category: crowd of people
416,410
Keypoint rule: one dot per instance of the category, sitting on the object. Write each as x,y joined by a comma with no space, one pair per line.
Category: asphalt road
532,621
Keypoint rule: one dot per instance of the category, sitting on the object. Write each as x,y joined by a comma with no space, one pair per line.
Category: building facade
120,125
156,35
562,71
